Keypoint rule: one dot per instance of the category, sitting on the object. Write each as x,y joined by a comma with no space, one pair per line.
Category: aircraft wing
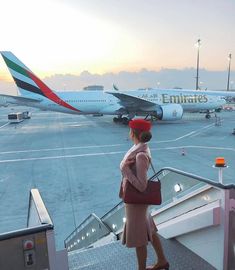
132,101
17,100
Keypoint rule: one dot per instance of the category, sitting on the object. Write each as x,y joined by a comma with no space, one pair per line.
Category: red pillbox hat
140,124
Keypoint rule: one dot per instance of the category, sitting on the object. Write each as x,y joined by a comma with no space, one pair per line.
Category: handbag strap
152,166
150,161
153,171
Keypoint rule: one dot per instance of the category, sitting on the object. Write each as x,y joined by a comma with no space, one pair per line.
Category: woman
139,227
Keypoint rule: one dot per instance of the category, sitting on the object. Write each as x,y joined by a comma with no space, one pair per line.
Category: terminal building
94,88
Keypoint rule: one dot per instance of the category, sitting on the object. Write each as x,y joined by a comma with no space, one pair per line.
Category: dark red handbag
151,195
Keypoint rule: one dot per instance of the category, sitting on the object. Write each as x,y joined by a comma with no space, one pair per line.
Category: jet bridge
196,222
32,247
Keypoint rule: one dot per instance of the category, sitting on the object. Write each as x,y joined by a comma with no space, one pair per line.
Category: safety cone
183,152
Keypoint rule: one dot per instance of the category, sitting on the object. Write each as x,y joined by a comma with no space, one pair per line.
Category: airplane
160,104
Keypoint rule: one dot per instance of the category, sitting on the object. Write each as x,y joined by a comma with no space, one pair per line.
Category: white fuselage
93,102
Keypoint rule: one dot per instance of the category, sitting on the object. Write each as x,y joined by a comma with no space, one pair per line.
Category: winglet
115,87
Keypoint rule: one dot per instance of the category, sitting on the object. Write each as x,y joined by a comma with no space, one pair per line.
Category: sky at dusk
109,36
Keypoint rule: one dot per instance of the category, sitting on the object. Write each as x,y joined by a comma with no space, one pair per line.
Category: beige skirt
139,226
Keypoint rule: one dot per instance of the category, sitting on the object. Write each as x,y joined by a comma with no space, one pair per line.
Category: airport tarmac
74,161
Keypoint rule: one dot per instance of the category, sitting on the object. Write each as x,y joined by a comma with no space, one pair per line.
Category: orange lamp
220,162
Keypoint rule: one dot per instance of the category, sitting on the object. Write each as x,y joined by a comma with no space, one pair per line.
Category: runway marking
59,157
206,127
186,135
112,153
78,125
4,125
59,149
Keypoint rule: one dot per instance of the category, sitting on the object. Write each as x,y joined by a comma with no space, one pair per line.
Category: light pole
198,45
229,65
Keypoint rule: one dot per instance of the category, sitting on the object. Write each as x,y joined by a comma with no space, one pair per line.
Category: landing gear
120,119
116,120
125,121
209,113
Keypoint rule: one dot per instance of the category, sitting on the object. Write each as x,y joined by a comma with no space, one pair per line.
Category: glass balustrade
176,185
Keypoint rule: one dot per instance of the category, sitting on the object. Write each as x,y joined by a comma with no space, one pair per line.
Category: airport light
198,45
220,164
229,65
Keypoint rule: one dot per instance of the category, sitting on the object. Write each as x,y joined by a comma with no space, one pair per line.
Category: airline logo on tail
27,81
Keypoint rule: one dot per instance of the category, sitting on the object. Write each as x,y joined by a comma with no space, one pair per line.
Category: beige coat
139,225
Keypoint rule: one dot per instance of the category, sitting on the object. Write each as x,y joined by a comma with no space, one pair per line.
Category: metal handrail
196,177
26,231
40,208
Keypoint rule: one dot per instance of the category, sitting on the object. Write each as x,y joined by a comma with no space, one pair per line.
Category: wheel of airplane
208,116
125,120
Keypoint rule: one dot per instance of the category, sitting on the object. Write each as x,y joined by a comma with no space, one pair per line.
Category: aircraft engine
170,112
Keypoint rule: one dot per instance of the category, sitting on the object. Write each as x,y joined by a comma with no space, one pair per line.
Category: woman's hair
143,136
